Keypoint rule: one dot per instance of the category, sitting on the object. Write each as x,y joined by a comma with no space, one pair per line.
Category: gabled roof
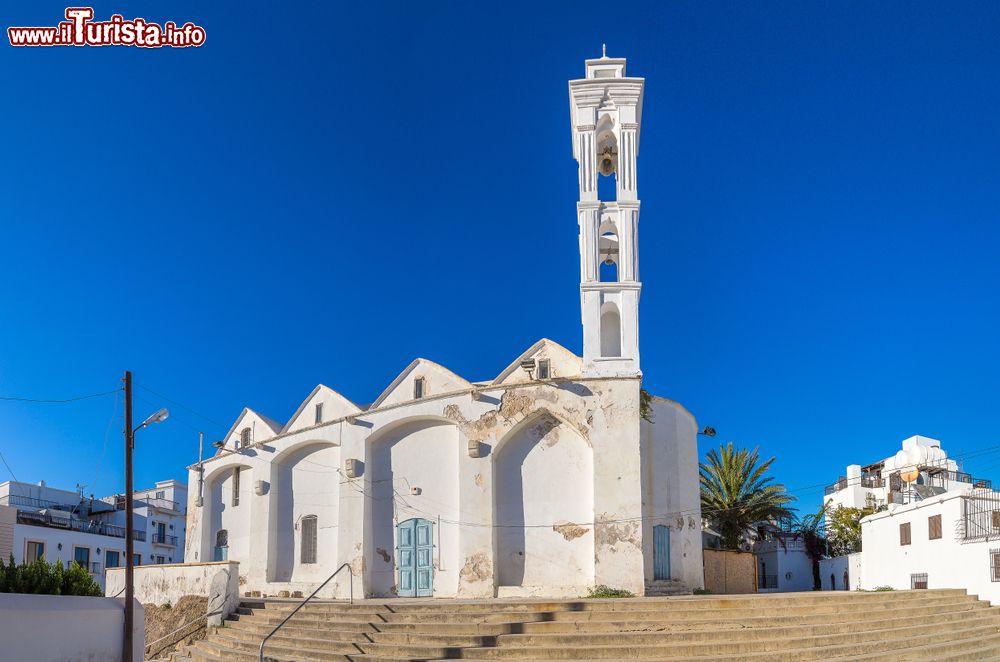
564,362
439,380
273,428
339,406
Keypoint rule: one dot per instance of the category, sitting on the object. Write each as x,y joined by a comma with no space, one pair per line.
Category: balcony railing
767,581
162,504
37,518
164,539
842,483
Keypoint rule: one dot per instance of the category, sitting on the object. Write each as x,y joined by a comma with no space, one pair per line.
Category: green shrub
702,591
43,578
603,591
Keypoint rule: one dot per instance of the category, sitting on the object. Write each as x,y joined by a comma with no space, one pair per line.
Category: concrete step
627,646
307,618
802,647
778,601
584,636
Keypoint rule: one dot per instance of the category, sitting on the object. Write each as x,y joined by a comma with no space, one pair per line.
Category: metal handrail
149,646
303,603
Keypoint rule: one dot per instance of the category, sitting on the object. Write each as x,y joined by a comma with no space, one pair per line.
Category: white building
556,475
935,527
39,521
881,483
782,562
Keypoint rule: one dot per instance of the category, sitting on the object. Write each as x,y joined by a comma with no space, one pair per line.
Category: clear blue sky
322,195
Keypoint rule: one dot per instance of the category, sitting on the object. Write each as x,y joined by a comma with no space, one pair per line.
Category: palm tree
812,528
735,493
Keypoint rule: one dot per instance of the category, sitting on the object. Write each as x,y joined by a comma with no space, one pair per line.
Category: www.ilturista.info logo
81,30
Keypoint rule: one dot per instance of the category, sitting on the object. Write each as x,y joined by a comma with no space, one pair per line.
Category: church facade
559,474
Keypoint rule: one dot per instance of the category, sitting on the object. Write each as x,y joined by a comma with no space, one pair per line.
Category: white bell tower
605,112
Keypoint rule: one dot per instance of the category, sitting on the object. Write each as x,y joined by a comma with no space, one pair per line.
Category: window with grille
236,486
319,413
904,534
245,438
309,539
418,388
161,494
918,580
996,519
934,527
995,565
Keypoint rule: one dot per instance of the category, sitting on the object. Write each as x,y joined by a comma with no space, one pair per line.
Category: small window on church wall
236,486
244,438
611,330
319,413
308,539
418,388
543,369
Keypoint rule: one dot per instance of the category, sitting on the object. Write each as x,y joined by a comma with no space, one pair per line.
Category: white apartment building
890,480
935,526
38,521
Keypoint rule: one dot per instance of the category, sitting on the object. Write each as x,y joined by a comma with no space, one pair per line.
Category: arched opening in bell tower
607,160
611,330
608,252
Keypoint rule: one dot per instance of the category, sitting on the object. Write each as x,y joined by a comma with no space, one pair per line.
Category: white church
557,475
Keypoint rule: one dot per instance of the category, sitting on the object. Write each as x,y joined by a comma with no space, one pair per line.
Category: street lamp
158,417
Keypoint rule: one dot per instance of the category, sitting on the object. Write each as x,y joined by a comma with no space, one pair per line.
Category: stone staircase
941,624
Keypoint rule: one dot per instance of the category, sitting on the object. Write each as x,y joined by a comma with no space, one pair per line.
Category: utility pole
129,588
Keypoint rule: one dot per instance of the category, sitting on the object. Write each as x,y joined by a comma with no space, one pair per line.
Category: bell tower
605,113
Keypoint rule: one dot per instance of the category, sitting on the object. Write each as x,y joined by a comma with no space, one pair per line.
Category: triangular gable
437,380
261,428
334,406
562,363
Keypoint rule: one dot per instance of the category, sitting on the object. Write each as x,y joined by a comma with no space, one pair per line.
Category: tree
811,528
41,577
844,529
736,493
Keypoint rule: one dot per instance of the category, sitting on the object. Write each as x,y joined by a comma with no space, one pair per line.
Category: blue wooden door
661,552
415,554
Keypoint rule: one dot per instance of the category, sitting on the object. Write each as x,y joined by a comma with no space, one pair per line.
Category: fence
730,571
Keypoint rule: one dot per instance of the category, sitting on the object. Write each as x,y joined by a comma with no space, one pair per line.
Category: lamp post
158,417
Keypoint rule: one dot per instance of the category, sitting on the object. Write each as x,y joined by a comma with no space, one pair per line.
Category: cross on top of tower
604,50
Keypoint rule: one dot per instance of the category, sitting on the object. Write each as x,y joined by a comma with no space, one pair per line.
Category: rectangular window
309,539
418,388
904,534
137,559
319,413
244,439
995,565
934,527
996,519
918,580
161,494
236,486
543,369
111,559
34,551
82,556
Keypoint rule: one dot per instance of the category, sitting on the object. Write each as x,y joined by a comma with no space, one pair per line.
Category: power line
184,406
8,467
10,398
